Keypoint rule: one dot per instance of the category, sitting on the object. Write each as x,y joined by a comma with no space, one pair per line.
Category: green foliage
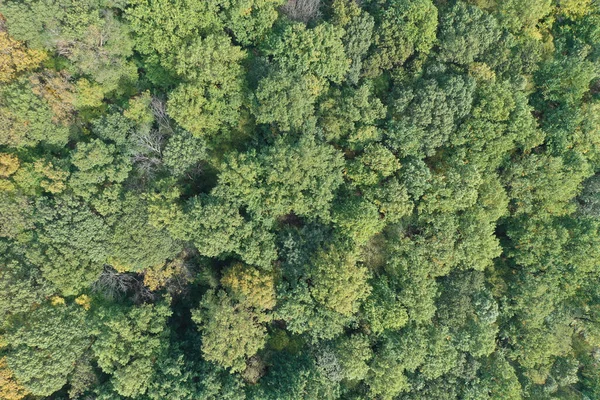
136,245
26,119
183,151
213,96
249,20
358,26
128,343
286,100
517,15
383,310
72,244
342,290
354,352
429,113
318,51
466,32
88,33
96,164
303,199
217,228
161,25
15,215
357,219
295,376
230,332
542,182
403,28
299,177
351,115
23,285
45,345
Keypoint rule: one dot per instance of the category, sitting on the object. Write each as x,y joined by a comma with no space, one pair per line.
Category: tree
358,219
71,244
373,166
212,94
301,10
354,352
298,176
45,345
97,164
183,151
250,287
517,16
299,199
86,33
466,32
350,116
469,312
15,215
242,337
135,245
27,119
205,108
383,309
250,20
160,25
10,389
286,100
343,290
403,29
217,228
15,57
589,199
358,26
425,118
542,182
318,51
128,343
23,285
296,376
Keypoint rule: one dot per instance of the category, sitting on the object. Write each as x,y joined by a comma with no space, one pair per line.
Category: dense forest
300,199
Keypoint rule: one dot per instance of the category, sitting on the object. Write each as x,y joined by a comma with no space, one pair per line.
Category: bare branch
112,284
301,10
159,109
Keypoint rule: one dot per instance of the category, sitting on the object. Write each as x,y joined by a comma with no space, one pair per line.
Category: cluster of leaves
301,199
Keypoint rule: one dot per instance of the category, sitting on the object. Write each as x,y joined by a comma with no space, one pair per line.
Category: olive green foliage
402,29
465,33
214,95
27,119
45,347
299,199
128,343
72,244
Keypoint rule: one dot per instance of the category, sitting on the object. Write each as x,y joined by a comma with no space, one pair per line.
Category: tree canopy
300,199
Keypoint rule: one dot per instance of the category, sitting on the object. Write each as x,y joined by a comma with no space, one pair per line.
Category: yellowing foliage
84,301
88,94
575,8
15,57
158,276
255,288
119,266
55,178
9,164
482,72
57,301
10,389
59,93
